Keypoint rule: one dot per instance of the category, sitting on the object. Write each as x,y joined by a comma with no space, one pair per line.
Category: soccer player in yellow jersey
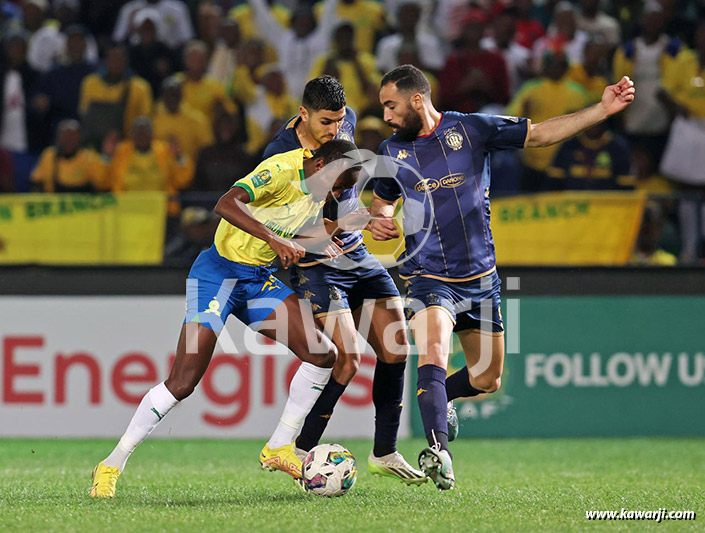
263,214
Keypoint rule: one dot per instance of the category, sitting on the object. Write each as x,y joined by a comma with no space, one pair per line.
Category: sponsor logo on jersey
344,136
452,180
403,154
427,184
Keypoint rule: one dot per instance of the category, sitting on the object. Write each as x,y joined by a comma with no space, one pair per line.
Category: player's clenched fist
383,229
618,96
289,252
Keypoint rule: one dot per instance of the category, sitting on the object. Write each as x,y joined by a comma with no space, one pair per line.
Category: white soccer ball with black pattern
329,470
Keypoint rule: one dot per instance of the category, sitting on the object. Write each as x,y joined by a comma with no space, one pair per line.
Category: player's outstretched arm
615,98
382,224
231,207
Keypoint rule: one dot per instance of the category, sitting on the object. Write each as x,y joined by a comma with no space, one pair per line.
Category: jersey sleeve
351,118
502,132
262,183
385,185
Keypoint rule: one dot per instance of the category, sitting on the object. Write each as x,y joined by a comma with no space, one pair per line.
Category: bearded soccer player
348,294
452,274
262,215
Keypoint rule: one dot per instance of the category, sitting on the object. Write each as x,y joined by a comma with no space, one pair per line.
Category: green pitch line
217,485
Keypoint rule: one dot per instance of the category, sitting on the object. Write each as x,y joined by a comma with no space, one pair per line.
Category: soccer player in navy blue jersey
344,293
450,267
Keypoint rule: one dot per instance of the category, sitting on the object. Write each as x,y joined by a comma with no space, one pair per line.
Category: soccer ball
329,470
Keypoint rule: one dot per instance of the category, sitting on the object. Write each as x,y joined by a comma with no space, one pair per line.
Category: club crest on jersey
403,154
334,294
454,139
344,136
214,307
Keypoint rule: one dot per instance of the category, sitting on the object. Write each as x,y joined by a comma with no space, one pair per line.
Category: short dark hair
324,92
409,79
335,149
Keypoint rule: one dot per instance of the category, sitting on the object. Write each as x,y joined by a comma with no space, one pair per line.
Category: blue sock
317,419
387,395
433,403
458,385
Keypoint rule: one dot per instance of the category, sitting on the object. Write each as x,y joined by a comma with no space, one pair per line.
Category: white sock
153,407
305,389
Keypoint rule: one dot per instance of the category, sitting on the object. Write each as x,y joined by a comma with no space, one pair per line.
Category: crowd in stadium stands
183,96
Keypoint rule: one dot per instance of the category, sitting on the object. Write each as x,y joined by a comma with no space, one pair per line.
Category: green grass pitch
217,485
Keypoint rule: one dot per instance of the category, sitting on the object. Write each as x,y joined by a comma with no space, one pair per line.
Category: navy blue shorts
335,290
217,287
472,304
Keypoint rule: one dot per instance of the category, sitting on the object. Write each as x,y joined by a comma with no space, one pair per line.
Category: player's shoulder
350,116
475,120
386,144
284,140
284,164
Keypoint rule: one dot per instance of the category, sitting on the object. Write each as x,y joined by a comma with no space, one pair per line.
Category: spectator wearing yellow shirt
645,172
200,91
145,164
245,18
689,93
654,61
250,57
356,71
541,99
271,105
367,17
112,98
647,251
688,98
176,122
223,60
591,72
67,167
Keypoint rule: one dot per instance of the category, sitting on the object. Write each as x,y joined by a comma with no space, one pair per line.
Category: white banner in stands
78,366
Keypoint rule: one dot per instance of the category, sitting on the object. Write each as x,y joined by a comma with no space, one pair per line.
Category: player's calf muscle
188,368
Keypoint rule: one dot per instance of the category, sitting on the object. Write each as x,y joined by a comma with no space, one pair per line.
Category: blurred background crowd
183,96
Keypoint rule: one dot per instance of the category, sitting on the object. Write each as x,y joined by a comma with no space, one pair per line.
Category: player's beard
412,126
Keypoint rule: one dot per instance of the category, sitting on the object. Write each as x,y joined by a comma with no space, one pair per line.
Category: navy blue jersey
448,173
286,139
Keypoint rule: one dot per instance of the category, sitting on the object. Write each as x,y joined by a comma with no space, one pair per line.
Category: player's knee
436,354
487,382
324,357
398,355
347,366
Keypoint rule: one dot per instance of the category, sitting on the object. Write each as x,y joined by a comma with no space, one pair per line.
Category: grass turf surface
213,485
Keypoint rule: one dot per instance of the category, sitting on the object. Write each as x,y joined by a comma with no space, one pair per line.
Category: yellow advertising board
82,229
561,229
568,228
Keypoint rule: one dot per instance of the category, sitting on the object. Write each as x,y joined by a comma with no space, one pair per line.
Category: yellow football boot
284,459
104,481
